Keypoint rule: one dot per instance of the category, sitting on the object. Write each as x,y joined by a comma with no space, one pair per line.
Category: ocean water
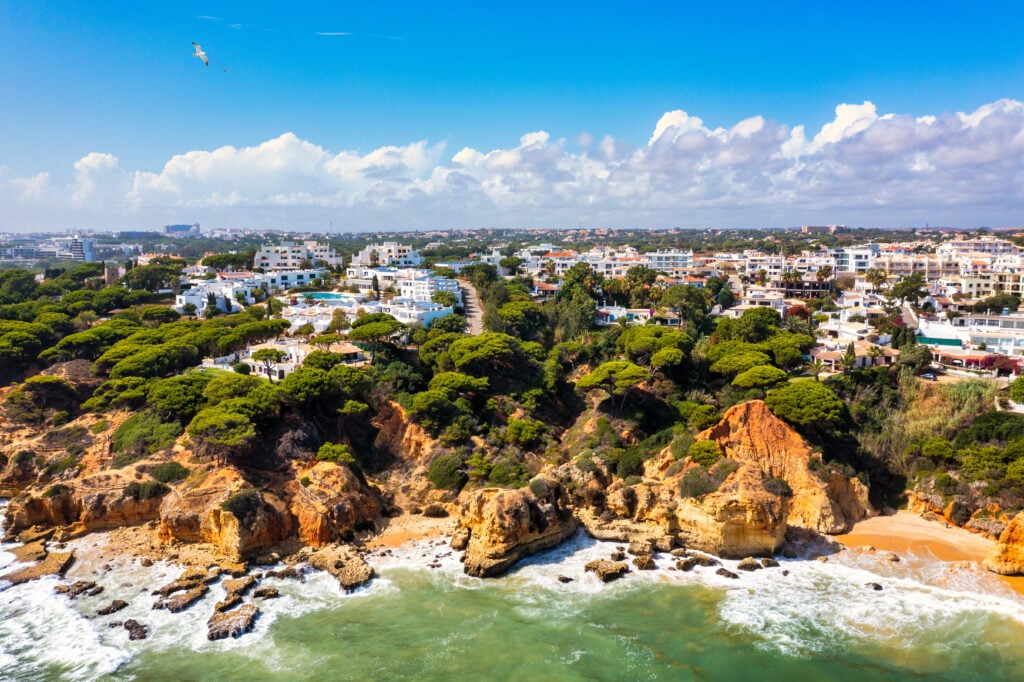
932,621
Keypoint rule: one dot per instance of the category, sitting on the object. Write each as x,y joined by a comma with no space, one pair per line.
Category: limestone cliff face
198,515
750,434
79,510
506,525
1008,556
746,515
333,506
406,480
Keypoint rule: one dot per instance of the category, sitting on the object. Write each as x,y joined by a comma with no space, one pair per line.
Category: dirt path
471,303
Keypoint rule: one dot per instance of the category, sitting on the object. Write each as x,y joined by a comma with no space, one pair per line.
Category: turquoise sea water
932,621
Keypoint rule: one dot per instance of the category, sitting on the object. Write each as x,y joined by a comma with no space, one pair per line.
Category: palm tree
824,274
815,367
874,353
876,277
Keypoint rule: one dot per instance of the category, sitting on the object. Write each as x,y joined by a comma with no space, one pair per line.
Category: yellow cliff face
507,525
750,434
1008,556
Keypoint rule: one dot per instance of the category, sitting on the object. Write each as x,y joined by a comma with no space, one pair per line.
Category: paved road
471,303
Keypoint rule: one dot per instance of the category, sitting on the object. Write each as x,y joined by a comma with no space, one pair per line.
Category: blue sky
117,81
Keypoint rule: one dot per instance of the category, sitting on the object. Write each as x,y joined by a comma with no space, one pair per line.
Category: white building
387,253
290,255
424,288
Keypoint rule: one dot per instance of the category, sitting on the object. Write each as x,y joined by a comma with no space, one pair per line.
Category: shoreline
907,533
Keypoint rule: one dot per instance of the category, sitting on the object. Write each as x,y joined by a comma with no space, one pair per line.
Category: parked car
929,376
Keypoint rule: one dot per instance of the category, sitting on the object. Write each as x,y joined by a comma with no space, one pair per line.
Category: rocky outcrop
607,571
333,506
506,525
80,510
208,514
412,449
1008,556
232,623
750,434
341,561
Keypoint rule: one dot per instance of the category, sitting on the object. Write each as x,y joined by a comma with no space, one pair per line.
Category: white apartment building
232,291
987,245
388,253
424,288
669,260
290,255
999,333
855,259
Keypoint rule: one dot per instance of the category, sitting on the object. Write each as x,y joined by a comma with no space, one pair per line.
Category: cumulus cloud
862,167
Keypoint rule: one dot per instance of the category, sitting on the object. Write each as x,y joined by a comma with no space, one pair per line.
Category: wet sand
906,532
409,528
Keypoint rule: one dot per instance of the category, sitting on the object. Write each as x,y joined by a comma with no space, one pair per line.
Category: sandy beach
409,528
906,532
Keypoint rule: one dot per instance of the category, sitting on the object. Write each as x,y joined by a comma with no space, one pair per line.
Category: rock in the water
665,543
680,552
235,589
641,547
564,579
343,563
146,562
607,571
644,562
76,588
893,557
706,561
725,573
686,564
232,623
749,564
113,607
617,556
136,630
289,572
55,563
180,601
874,586
768,562
435,511
189,579
266,593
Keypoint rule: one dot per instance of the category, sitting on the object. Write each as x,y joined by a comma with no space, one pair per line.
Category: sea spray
423,618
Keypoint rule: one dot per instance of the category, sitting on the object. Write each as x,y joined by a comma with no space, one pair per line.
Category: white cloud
860,168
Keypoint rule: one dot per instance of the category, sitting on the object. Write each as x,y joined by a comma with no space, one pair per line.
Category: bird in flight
199,53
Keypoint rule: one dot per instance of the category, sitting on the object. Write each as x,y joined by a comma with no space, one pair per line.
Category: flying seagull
199,53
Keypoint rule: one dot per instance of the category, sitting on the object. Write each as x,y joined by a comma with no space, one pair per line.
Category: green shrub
123,460
242,504
60,465
630,463
508,473
945,484
144,433
75,449
169,471
585,463
146,490
99,427
539,488
304,481
60,418
55,490
697,482
705,452
778,486
525,432
632,480
674,468
446,472
24,457
242,368
338,453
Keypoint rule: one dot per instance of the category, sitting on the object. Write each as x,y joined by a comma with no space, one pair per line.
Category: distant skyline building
178,230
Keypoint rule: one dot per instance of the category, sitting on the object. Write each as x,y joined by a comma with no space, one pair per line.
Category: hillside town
958,292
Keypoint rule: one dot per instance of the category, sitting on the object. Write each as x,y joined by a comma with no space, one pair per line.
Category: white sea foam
817,607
